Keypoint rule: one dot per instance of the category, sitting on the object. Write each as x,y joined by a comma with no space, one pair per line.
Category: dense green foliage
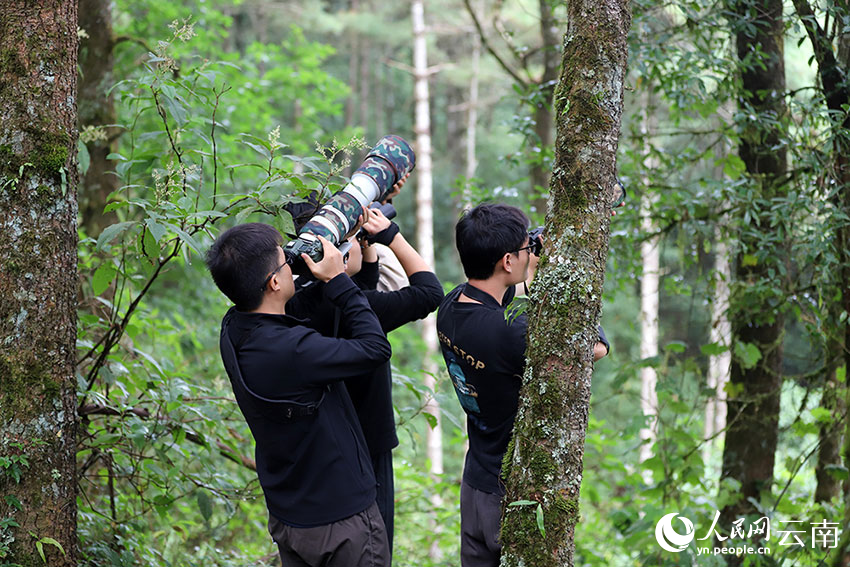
221,109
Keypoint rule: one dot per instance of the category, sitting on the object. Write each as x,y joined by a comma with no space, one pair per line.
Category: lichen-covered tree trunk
544,460
96,110
757,304
38,276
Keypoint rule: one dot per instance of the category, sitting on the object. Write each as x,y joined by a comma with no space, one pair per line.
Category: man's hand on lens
331,264
396,189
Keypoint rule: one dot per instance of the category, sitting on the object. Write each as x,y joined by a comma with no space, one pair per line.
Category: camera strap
282,408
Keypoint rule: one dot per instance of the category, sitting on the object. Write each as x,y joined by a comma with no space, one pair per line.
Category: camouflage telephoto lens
385,165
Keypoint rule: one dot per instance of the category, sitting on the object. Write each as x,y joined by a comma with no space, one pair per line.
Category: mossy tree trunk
544,460
97,110
38,275
757,302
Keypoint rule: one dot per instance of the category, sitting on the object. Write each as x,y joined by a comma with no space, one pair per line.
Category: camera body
535,240
385,165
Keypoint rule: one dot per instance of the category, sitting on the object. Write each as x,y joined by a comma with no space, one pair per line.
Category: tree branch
143,413
486,43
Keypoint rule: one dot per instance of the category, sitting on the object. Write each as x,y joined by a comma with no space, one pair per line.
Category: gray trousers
357,541
480,518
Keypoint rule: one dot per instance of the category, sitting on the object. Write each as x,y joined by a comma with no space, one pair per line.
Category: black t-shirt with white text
485,358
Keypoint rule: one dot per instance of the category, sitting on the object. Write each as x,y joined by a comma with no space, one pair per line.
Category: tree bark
425,239
543,463
97,109
750,445
38,209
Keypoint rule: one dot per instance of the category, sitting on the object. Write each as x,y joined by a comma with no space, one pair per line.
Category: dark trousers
357,541
382,463
480,517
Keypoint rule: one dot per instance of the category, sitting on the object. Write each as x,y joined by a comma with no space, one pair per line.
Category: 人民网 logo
671,540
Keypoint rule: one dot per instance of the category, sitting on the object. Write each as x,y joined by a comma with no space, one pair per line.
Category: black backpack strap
285,409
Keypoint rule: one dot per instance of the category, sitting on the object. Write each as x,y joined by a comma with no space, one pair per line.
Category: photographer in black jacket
372,395
312,460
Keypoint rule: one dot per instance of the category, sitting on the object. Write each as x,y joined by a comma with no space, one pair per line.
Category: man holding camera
372,395
312,460
485,355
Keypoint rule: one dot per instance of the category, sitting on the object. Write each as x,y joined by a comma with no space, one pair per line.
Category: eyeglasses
266,281
530,247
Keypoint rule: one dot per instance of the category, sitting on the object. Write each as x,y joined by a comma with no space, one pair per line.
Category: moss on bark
545,459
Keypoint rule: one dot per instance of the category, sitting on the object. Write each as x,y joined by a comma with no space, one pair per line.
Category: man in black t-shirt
485,357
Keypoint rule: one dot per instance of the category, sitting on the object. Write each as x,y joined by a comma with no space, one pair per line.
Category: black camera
535,240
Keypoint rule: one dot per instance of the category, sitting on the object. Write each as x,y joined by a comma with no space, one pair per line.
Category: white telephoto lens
363,188
341,217
337,237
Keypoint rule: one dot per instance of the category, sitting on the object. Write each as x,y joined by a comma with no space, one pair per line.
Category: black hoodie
312,460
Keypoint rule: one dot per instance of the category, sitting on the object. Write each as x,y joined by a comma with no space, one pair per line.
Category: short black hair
485,234
240,259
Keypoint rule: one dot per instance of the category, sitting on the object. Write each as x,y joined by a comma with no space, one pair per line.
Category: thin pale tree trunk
543,465
650,254
425,237
719,365
38,278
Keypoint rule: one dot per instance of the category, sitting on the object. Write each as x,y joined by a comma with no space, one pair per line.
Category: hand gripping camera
387,163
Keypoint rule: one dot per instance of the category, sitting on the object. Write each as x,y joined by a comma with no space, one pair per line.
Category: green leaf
150,247
54,543
676,346
13,502
822,415
838,472
749,260
205,505
540,520
103,276
83,157
188,240
112,232
713,349
522,503
283,223
39,546
734,166
841,374
748,353
431,419
156,229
